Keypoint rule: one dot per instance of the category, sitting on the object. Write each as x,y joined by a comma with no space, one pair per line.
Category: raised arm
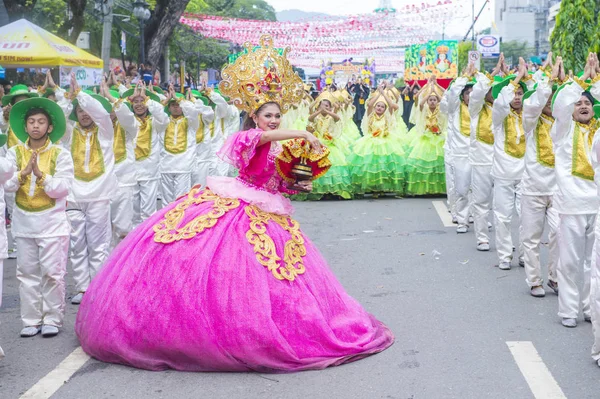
534,105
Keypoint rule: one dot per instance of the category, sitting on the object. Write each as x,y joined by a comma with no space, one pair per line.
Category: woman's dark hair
249,122
322,101
36,111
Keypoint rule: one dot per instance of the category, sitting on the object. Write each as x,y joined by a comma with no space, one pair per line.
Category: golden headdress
325,95
431,89
260,76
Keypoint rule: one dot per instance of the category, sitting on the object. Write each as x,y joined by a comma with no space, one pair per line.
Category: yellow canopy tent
25,45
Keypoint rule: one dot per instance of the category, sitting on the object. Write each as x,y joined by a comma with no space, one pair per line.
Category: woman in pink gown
224,280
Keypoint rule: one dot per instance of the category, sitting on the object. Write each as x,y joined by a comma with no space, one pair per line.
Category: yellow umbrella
23,44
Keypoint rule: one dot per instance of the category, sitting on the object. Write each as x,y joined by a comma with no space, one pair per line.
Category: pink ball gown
224,280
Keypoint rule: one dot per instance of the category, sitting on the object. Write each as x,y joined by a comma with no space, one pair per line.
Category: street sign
475,59
488,45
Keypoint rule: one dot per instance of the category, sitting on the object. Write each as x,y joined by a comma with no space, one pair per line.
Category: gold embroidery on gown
39,201
485,134
465,120
581,166
264,247
167,230
514,137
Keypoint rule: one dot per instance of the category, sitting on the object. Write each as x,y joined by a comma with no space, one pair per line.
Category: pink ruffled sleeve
243,152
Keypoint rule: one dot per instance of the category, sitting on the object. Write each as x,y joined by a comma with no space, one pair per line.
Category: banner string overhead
380,34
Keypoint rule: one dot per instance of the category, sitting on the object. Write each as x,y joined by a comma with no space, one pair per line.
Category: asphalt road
451,310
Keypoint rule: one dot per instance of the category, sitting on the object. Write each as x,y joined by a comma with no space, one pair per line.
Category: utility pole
107,18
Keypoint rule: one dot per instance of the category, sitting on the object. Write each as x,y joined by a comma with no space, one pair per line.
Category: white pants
174,185
217,166
507,199
535,212
1,279
41,270
145,193
595,293
482,186
90,239
462,184
121,211
450,191
575,244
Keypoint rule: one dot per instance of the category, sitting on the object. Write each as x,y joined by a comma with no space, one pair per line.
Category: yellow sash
95,165
543,141
39,200
176,135
12,138
465,120
119,145
485,134
514,137
143,144
200,131
581,166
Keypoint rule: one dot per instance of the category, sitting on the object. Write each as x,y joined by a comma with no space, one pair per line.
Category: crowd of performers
498,143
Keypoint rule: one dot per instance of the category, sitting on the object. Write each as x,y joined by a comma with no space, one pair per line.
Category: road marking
537,375
47,386
442,211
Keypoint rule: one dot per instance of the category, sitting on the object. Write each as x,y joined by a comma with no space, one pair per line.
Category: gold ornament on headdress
261,76
431,89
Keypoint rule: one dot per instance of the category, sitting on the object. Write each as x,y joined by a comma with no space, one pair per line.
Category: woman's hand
306,185
313,141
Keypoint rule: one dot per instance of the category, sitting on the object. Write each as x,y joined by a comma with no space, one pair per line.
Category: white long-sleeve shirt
40,209
481,150
179,141
509,138
576,191
459,121
7,170
148,133
539,177
92,153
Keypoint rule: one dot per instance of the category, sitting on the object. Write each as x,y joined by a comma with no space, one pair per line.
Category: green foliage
196,51
576,32
514,49
463,55
49,14
244,9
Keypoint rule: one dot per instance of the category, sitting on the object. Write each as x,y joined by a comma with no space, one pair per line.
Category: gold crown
443,49
325,95
260,76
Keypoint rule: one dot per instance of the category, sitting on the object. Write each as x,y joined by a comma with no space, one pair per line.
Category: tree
160,27
576,32
514,49
17,9
463,55
73,27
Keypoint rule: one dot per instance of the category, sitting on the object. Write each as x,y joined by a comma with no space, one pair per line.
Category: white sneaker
587,318
1,353
483,246
31,331
12,253
553,285
76,300
471,220
538,292
462,228
454,220
49,331
598,362
521,261
490,227
567,322
504,266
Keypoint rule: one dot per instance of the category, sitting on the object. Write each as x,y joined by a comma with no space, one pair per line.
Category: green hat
20,109
105,104
179,96
16,91
48,92
199,96
130,92
498,86
597,111
114,93
3,139
158,90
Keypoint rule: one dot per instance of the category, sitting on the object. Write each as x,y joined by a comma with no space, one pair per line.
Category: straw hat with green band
152,96
20,109
105,104
497,87
16,91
